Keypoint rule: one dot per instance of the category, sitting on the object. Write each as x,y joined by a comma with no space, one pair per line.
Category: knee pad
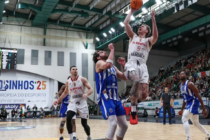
62,124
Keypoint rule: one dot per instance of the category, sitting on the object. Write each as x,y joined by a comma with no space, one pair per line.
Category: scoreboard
8,58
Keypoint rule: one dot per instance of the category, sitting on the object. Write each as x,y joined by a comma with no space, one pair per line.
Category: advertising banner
18,88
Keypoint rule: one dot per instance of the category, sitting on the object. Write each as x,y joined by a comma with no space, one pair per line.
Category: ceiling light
7,1
159,2
133,18
4,11
104,34
112,30
97,39
144,10
122,24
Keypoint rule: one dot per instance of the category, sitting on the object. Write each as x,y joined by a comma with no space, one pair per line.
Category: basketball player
191,98
136,69
76,86
63,112
107,89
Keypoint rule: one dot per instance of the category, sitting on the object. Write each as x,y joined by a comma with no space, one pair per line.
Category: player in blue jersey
63,109
106,75
191,100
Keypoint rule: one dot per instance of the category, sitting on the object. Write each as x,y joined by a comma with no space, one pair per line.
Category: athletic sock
71,136
133,108
74,134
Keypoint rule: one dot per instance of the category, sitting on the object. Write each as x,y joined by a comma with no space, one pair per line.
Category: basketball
136,4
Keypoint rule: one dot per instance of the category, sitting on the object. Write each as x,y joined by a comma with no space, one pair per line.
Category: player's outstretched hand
121,61
180,112
55,102
111,46
153,15
85,96
204,112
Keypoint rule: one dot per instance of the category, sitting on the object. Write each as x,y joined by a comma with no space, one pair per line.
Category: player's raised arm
61,90
153,39
88,86
120,75
195,91
128,28
102,65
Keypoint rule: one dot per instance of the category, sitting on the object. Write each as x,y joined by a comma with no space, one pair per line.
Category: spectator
13,113
156,113
34,111
173,95
2,108
4,114
42,112
28,108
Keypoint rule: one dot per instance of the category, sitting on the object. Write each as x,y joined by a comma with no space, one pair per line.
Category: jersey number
138,48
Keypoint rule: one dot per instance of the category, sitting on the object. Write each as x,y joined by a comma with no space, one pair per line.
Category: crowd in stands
169,77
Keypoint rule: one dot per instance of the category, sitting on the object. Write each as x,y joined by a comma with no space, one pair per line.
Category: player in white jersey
136,69
191,99
63,113
76,86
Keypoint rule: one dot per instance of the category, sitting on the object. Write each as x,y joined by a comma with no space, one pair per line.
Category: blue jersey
66,99
187,94
106,84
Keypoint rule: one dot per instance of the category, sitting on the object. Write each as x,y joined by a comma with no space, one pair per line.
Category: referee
165,99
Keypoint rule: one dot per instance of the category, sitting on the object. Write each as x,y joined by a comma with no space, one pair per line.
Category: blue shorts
193,106
63,110
111,107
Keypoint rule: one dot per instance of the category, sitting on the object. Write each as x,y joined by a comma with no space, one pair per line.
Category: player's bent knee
62,124
184,119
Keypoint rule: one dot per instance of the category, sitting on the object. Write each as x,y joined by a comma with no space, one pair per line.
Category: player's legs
73,121
84,113
85,126
108,109
70,115
112,120
185,118
195,121
123,126
121,120
63,121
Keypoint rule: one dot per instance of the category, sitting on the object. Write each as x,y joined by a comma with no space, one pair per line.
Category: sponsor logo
110,110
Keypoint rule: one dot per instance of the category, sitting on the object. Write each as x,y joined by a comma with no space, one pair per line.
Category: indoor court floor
48,129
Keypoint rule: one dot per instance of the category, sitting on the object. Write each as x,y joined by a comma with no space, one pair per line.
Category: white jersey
138,49
76,89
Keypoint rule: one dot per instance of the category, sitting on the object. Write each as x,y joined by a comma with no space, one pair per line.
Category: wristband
109,60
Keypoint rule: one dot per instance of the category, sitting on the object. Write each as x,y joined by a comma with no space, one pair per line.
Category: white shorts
140,72
81,107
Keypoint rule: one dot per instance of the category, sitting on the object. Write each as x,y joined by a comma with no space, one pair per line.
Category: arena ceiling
104,16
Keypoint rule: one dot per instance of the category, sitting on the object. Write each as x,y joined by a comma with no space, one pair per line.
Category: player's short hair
148,29
95,55
72,67
187,73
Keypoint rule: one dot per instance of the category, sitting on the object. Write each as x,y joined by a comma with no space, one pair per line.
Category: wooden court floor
48,129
